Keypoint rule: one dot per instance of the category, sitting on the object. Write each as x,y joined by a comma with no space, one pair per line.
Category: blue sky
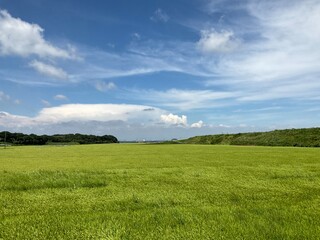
159,69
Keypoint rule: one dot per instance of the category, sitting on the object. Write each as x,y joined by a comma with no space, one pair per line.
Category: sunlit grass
159,192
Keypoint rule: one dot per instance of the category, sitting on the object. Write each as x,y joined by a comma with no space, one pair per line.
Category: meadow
145,191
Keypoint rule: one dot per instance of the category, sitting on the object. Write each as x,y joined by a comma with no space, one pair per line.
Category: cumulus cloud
105,86
24,39
199,124
121,129
125,113
212,41
49,70
160,16
128,124
60,97
98,112
172,119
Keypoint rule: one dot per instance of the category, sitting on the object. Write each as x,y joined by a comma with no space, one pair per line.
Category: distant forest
32,139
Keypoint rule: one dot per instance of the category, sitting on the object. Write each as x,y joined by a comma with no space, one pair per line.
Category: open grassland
131,191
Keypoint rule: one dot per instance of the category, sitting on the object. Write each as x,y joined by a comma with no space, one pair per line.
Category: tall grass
159,192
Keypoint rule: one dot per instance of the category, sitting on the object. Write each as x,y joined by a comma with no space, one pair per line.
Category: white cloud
275,58
133,62
126,122
4,96
171,56
185,99
14,121
199,124
279,58
160,16
105,86
172,119
212,41
60,97
24,39
49,70
98,112
224,126
126,114
283,60
123,120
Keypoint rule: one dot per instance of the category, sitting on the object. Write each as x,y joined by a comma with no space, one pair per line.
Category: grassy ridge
308,137
133,191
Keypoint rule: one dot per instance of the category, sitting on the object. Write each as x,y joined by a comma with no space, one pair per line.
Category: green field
132,191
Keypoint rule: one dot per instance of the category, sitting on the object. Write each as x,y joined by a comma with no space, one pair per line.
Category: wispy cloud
17,101
160,16
60,97
100,65
283,61
48,70
4,96
212,41
278,58
105,86
136,36
184,99
45,103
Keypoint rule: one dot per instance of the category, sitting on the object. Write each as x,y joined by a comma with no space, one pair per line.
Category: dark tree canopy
32,139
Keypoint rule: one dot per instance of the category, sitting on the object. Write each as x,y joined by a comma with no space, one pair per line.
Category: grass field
131,191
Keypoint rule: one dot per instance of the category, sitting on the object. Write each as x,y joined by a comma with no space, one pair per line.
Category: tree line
33,139
304,137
